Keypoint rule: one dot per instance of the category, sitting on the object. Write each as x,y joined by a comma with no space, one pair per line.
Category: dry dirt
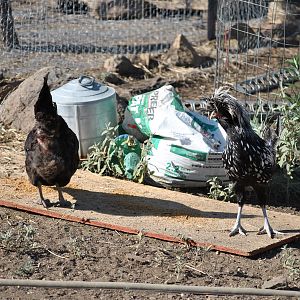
36,247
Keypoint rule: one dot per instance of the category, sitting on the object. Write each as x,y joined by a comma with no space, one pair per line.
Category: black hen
51,148
248,159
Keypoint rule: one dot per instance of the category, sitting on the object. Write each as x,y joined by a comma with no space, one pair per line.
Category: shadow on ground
124,205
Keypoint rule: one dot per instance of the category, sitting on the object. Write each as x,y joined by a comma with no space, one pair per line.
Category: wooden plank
162,214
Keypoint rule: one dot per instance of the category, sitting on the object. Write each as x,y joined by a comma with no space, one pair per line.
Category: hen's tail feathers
44,103
270,134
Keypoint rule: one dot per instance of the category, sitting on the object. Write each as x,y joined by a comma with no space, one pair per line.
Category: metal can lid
81,90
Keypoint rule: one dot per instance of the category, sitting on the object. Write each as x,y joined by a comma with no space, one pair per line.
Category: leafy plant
258,122
76,246
141,170
108,158
99,153
290,261
27,269
20,237
288,145
288,151
219,192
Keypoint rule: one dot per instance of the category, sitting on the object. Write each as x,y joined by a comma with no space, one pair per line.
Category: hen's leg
42,199
238,228
62,201
262,192
267,227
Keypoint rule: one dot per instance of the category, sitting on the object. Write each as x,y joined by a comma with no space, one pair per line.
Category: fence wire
255,40
61,31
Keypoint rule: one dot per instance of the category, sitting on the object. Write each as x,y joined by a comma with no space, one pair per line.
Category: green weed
27,269
291,261
107,158
218,191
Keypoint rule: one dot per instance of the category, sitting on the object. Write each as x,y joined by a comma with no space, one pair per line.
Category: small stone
123,66
279,282
112,78
183,54
148,61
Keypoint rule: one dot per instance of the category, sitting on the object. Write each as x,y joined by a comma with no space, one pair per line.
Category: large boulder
17,109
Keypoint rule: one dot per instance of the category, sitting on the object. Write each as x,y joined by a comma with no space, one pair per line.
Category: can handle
86,80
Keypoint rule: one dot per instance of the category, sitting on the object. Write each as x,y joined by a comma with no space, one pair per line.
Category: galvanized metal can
87,107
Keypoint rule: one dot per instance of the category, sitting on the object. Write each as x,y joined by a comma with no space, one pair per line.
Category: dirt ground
36,247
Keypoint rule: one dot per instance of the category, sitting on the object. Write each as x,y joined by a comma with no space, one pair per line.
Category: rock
118,10
148,61
122,103
112,78
7,86
123,92
183,54
279,282
207,48
283,21
1,75
123,66
283,12
17,109
144,86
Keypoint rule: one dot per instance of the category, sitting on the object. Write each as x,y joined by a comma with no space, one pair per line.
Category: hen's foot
267,229
45,202
64,203
238,229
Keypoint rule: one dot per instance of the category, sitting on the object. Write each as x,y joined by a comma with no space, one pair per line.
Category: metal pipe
170,288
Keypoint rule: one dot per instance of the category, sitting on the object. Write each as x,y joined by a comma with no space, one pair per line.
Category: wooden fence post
10,38
211,19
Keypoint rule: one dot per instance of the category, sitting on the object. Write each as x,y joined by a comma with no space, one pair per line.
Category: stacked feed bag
186,146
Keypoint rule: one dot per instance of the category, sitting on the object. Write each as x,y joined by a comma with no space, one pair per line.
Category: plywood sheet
160,213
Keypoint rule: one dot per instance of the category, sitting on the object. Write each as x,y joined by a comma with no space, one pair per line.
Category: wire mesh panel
255,40
58,32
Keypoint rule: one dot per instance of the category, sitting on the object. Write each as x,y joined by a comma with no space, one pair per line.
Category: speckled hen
51,148
248,159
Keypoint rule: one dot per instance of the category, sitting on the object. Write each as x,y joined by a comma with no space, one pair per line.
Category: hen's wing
30,141
70,146
30,148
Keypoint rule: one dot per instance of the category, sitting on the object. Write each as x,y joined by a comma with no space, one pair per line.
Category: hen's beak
214,115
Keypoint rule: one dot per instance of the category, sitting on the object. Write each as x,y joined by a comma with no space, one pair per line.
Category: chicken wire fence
255,40
57,32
